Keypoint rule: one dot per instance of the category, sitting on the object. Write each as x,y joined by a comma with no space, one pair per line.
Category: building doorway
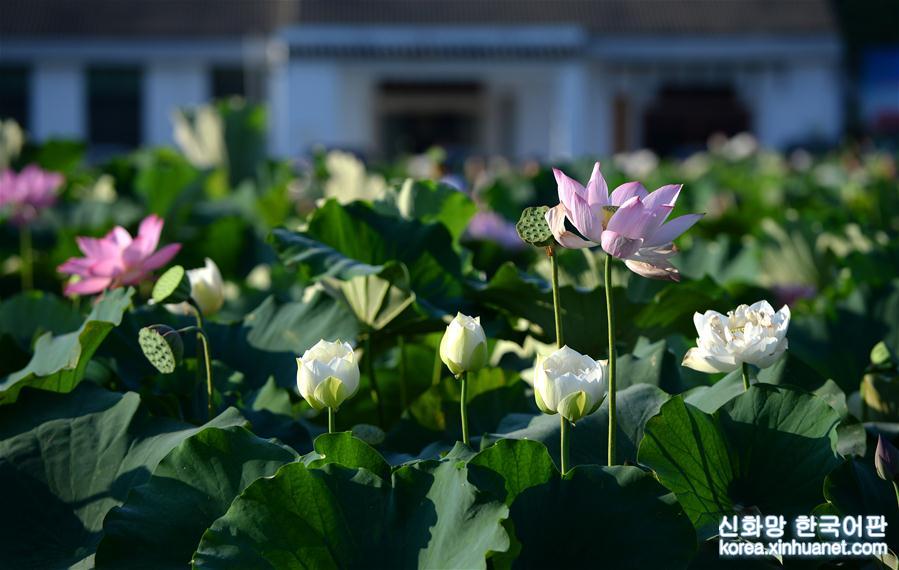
681,119
415,116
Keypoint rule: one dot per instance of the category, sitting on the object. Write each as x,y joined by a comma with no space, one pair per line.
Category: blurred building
546,78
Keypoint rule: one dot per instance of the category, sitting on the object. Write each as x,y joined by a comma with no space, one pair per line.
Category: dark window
114,107
14,94
682,118
417,116
228,82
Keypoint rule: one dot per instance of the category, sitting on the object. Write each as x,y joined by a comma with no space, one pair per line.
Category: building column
569,127
305,99
168,86
799,105
58,101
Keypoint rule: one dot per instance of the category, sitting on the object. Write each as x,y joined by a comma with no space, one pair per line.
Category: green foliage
426,515
768,449
590,514
162,521
67,459
59,362
99,453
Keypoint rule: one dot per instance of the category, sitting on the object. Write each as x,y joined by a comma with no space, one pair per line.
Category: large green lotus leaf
854,489
590,514
650,363
769,449
344,449
518,295
710,398
589,436
66,460
353,240
429,201
295,326
59,362
271,414
377,299
264,344
427,516
788,370
35,312
162,521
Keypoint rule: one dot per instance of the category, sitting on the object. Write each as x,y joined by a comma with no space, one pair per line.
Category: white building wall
568,137
169,85
336,103
58,101
797,103
306,106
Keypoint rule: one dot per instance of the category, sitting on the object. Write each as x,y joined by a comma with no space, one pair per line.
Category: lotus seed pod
162,346
173,286
533,229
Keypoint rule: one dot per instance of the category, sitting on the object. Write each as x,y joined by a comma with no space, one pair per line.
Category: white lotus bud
328,374
206,288
464,345
569,383
753,334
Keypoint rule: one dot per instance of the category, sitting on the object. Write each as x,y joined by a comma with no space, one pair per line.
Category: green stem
438,368
203,341
370,369
745,377
464,407
610,312
27,254
896,489
331,420
565,440
557,309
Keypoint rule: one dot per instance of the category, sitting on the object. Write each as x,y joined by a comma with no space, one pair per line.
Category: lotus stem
438,368
745,377
370,370
27,255
463,407
557,309
210,405
565,441
203,342
331,420
610,312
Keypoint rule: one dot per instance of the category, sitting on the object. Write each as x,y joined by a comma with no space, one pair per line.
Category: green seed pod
162,346
173,286
533,229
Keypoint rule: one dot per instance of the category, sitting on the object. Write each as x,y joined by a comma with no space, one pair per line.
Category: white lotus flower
328,374
463,347
206,287
753,334
569,383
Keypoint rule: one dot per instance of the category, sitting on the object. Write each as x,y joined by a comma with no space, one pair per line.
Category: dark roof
223,18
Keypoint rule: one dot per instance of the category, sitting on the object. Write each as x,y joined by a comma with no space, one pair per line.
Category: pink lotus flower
27,193
629,224
116,259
